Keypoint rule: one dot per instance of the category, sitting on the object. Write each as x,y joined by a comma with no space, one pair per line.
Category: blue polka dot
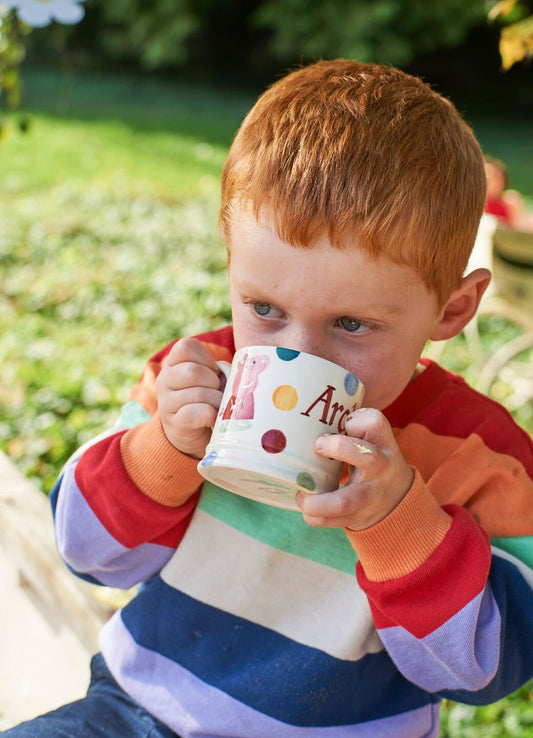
351,383
286,354
209,459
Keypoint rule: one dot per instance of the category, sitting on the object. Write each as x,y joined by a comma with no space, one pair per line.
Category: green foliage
511,717
12,53
153,33
513,146
387,31
108,250
512,385
91,282
226,35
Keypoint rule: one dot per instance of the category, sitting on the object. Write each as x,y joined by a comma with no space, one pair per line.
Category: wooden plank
26,531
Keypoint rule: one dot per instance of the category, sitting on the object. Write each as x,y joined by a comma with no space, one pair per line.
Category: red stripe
428,400
130,517
428,597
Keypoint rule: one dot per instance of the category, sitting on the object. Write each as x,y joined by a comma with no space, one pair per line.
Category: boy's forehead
245,217
250,224
262,263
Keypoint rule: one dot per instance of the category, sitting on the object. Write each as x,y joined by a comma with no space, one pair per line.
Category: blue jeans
106,712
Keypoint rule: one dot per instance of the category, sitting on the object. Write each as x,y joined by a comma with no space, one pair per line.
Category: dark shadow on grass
142,102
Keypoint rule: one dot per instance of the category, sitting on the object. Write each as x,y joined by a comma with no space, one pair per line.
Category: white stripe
312,604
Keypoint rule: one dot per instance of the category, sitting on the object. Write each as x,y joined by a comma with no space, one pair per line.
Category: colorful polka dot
351,383
209,459
273,441
305,480
285,397
286,354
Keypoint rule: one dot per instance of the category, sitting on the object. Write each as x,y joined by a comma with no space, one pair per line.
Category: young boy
350,202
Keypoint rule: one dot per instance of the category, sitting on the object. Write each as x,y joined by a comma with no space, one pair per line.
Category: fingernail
319,443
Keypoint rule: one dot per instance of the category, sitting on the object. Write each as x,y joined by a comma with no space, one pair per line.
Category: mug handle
223,373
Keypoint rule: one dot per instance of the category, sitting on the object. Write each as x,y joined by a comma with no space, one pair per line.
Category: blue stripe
173,694
54,495
266,671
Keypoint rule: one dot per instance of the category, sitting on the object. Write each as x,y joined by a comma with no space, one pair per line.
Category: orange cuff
158,469
405,538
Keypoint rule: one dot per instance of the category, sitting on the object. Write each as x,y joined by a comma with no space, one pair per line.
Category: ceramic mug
276,402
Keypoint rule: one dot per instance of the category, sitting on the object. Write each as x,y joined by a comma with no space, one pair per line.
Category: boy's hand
380,478
189,392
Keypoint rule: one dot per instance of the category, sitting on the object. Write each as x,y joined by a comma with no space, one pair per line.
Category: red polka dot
273,441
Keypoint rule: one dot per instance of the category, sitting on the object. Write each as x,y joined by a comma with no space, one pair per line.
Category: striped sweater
250,623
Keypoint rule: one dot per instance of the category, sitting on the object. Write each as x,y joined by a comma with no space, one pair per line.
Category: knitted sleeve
449,573
123,502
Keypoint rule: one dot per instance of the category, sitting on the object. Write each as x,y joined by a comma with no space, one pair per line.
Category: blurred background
115,121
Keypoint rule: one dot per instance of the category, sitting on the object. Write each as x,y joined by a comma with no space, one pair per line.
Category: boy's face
371,316
495,180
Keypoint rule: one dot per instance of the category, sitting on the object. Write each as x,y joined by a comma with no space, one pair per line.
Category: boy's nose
301,339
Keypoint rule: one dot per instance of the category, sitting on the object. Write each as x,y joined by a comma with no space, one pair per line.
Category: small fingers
189,374
171,402
197,416
370,425
189,364
331,509
189,429
356,452
191,350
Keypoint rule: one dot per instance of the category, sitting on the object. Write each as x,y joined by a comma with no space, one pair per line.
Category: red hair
368,153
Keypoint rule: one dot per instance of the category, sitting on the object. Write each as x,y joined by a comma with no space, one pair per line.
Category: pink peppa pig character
241,403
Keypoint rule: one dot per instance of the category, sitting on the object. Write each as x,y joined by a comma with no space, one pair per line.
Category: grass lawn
109,250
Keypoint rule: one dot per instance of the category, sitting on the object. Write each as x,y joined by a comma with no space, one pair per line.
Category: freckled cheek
241,329
382,384
247,331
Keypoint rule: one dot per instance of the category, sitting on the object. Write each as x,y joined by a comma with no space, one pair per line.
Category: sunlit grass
93,283
108,154
108,249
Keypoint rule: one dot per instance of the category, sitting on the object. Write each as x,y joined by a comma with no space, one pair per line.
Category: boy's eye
352,325
266,310
261,308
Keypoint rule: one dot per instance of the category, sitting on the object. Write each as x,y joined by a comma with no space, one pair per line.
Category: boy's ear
461,305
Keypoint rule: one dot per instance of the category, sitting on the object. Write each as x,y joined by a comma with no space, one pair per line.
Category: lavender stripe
86,545
462,654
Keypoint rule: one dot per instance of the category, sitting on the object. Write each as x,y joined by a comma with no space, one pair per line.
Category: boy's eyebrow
258,292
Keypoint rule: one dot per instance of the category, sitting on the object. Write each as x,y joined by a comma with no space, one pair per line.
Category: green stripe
285,530
521,547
